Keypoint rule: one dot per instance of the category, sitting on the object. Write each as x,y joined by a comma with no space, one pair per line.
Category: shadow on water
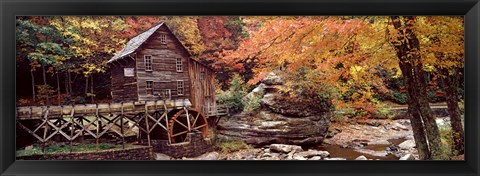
350,153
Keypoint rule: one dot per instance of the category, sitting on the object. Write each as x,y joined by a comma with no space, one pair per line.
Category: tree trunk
66,84
414,113
46,85
91,87
407,48
86,87
450,85
70,85
58,89
33,86
433,134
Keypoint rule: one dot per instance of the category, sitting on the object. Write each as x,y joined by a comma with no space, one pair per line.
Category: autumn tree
95,40
342,53
221,33
46,43
442,40
407,46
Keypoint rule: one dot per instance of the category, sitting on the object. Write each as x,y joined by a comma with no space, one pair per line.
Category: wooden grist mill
159,93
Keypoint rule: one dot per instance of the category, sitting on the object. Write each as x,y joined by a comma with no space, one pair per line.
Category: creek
337,151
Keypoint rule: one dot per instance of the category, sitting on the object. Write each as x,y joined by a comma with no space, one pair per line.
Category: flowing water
350,153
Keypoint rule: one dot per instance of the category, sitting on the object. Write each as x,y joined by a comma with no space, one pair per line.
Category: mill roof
134,43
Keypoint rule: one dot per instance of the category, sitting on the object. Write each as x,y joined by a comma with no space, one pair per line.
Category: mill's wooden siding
123,88
164,74
202,86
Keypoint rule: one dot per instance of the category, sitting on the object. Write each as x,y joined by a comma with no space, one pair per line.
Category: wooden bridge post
72,115
146,122
98,127
45,131
166,120
121,125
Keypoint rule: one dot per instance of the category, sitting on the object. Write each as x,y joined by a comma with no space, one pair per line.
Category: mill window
202,75
164,39
179,65
148,63
149,88
180,87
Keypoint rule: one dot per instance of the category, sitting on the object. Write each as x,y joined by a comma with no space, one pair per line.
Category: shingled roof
134,43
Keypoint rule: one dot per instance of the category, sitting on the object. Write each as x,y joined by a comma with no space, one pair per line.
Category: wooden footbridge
163,119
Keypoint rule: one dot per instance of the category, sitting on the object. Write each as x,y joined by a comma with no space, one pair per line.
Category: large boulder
259,90
407,157
272,79
361,157
281,119
269,128
285,148
407,145
292,107
311,153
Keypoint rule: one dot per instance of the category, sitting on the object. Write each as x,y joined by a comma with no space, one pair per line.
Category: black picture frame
9,9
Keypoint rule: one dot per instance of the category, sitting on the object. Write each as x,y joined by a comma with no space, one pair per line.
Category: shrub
231,146
446,135
339,116
399,97
42,90
23,102
80,100
66,148
253,104
232,98
461,106
383,112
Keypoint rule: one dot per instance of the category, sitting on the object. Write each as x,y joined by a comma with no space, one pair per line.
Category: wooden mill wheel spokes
178,125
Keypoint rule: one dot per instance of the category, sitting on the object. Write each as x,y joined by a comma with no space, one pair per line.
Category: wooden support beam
188,119
29,131
148,125
121,128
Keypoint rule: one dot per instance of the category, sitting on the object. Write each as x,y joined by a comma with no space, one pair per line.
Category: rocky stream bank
283,130
366,140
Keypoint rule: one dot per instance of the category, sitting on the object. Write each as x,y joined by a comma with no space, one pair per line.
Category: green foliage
447,141
232,98
461,106
42,90
237,27
253,104
80,100
432,97
46,42
324,99
399,97
383,112
231,146
339,116
66,148
303,89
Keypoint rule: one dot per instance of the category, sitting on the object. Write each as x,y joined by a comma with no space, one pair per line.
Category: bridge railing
216,110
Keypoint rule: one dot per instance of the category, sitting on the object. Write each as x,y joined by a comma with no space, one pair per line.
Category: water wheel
183,122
